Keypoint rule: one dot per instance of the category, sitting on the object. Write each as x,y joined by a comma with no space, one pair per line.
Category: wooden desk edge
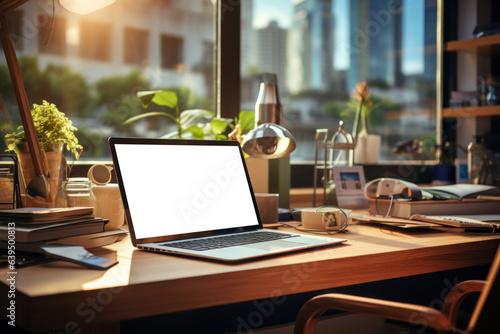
75,309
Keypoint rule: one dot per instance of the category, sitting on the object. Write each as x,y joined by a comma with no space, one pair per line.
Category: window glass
52,38
135,46
91,66
321,49
171,53
95,40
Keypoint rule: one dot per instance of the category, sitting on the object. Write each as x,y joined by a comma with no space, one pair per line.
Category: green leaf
160,97
196,131
247,121
218,126
146,97
189,116
148,114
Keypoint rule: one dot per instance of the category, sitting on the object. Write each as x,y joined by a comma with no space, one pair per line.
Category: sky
413,28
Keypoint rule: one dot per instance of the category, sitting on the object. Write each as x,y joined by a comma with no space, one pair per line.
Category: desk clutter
27,229
397,203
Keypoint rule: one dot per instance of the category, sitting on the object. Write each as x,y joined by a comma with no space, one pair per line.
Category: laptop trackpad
275,245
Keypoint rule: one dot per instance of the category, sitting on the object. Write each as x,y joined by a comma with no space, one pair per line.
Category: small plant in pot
55,132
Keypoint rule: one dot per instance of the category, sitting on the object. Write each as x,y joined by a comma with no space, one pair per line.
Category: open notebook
180,196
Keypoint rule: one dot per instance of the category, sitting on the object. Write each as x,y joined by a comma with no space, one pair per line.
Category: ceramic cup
109,205
268,207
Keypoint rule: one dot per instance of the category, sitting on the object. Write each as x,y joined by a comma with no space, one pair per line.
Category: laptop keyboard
228,241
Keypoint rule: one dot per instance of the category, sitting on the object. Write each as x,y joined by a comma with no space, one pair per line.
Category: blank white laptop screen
184,189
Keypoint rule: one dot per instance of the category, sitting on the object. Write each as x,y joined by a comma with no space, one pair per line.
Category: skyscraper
375,40
271,50
310,46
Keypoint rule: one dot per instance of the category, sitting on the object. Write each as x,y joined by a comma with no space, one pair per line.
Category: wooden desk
60,295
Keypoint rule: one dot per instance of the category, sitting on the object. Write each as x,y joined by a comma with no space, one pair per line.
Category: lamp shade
83,7
269,141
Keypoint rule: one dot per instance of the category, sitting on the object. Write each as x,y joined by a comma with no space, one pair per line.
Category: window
96,63
95,40
15,26
52,38
171,53
320,50
135,50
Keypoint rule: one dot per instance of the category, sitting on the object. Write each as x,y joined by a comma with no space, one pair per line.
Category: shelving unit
464,63
482,45
480,111
488,46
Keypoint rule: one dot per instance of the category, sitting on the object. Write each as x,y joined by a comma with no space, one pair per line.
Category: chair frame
483,319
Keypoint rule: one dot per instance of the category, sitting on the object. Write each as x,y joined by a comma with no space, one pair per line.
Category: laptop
194,198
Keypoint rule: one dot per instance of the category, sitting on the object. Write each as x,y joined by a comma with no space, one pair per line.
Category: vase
367,148
55,165
492,97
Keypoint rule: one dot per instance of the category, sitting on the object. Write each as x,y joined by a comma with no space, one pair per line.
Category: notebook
179,194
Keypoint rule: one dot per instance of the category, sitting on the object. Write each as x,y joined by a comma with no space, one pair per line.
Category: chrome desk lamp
269,139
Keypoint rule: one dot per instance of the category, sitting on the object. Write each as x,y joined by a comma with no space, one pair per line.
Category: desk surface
58,294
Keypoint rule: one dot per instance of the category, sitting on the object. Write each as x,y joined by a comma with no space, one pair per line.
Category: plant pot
55,165
367,149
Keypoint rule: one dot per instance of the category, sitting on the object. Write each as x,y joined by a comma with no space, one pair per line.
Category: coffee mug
268,207
324,219
109,205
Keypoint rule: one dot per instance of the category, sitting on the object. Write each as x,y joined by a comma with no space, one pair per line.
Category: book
464,190
44,215
449,223
44,232
406,209
466,222
87,241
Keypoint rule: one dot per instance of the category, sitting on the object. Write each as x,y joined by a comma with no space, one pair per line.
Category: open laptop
189,196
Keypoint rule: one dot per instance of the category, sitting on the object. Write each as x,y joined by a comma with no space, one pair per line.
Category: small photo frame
349,187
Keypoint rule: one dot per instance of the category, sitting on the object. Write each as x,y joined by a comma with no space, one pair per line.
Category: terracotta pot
55,164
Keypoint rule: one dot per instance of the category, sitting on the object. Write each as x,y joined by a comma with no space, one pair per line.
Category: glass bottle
76,192
478,162
331,191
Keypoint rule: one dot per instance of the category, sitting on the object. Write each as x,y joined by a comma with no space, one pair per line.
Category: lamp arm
21,97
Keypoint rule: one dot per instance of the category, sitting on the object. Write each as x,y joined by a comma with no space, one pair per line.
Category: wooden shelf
483,45
471,111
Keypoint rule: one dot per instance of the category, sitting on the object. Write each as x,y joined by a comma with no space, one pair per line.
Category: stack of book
28,228
456,199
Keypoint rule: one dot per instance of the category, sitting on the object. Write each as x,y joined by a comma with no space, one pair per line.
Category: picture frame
349,186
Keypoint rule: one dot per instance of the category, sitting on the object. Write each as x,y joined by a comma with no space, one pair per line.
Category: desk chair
485,318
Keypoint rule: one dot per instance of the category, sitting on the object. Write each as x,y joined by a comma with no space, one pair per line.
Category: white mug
109,205
324,218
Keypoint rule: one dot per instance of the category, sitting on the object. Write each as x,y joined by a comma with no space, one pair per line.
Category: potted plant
55,132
